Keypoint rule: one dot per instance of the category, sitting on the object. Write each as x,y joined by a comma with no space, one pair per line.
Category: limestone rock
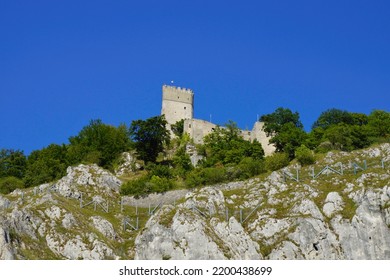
333,204
128,164
104,227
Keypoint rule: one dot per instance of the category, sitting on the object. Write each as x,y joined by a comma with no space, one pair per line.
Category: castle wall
259,134
198,129
177,104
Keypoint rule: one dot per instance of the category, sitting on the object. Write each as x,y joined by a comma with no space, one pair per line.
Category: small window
185,108
189,125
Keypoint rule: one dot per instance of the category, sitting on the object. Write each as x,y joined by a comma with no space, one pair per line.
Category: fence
340,169
134,214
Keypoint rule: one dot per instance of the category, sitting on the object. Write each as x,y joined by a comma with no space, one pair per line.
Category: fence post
137,222
136,210
241,216
121,203
365,164
227,214
341,168
312,173
81,200
149,209
297,175
383,164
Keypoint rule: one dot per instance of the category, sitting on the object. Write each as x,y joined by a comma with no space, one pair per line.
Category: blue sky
63,63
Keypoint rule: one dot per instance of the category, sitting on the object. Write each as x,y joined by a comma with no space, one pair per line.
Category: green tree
274,122
46,165
379,123
227,146
12,163
178,128
9,184
304,155
98,143
335,116
285,129
149,137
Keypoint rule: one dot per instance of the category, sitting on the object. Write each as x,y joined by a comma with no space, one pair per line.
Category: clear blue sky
63,63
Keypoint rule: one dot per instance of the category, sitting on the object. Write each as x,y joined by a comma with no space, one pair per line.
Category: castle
178,104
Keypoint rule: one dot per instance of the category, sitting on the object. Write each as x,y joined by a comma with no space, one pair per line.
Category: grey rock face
5,245
189,236
128,164
86,175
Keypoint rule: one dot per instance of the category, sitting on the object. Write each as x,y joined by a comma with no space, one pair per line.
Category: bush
138,187
206,176
304,155
251,167
276,161
162,171
160,184
9,184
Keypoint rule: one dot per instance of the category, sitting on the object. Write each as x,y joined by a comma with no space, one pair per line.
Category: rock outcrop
332,216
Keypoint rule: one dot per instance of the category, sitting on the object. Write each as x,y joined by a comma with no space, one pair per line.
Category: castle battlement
178,89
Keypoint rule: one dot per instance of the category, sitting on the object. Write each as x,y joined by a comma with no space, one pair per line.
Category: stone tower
177,104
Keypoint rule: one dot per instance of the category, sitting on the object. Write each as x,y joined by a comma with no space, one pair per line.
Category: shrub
138,187
276,161
160,184
304,155
9,184
206,176
251,167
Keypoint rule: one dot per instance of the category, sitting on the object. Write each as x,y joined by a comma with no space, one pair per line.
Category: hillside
335,214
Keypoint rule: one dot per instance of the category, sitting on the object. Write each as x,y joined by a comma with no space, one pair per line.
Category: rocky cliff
339,210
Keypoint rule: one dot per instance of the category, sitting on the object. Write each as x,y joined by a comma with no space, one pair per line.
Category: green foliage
286,130
98,143
9,184
379,123
276,161
274,122
333,117
304,155
289,139
150,136
137,187
12,163
206,176
250,167
226,146
178,128
46,165
145,185
347,137
182,162
160,184
159,170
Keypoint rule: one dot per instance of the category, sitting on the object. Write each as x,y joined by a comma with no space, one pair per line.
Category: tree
149,136
274,122
289,139
347,137
9,184
285,129
379,122
12,163
227,146
178,128
304,155
335,116
98,143
46,165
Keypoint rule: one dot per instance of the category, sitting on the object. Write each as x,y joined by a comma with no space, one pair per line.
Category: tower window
185,108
